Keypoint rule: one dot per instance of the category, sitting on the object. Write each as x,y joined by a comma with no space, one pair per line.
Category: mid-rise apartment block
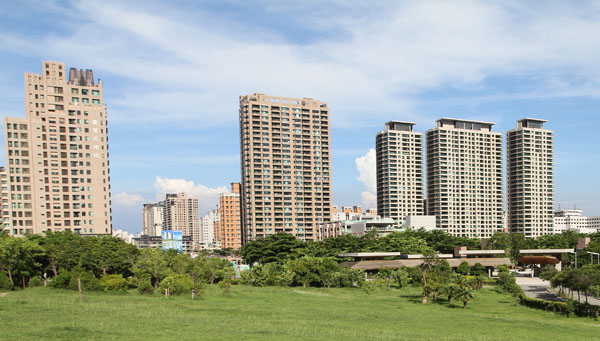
286,165
399,157
181,214
464,177
57,175
153,219
229,226
530,178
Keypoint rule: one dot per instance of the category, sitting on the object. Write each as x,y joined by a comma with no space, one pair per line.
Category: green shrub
35,282
61,281
145,287
114,283
559,307
463,268
132,282
177,284
478,269
5,281
502,268
89,282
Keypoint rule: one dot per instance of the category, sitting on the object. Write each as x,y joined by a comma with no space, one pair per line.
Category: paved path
538,288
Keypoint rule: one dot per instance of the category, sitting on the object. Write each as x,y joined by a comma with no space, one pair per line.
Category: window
75,100
85,100
96,92
95,101
74,91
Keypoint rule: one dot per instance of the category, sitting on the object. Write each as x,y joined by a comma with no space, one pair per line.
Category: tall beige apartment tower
181,214
399,171
286,165
57,156
530,178
228,229
464,177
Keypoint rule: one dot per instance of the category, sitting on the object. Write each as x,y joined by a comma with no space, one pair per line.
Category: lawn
275,313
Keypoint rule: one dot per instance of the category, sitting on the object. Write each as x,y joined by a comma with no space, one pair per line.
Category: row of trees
68,260
585,279
282,247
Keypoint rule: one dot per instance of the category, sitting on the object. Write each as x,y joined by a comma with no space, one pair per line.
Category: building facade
153,219
209,224
181,214
399,171
574,220
530,178
57,156
464,177
286,165
229,225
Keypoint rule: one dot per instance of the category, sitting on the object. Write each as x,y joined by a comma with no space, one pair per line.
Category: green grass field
275,313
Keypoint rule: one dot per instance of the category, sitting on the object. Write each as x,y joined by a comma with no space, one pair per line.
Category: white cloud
207,197
367,58
125,199
367,169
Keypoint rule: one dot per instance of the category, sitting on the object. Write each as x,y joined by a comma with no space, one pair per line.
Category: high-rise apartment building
181,214
530,178
153,219
57,156
286,165
399,171
209,224
229,227
464,177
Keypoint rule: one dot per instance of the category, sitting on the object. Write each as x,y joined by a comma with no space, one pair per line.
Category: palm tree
450,290
464,294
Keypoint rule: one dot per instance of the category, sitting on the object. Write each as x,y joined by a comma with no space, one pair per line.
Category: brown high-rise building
57,156
229,226
286,165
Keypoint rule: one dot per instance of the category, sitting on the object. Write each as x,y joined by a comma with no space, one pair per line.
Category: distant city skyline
172,74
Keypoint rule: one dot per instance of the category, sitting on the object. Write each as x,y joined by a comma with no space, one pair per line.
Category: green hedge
559,307
587,310
583,310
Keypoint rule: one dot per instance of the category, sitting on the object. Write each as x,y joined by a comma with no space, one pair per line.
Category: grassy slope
280,313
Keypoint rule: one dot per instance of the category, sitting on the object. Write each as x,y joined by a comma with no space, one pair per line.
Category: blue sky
173,71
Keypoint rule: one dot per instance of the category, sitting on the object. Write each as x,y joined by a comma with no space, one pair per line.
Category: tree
450,290
273,248
478,269
401,276
464,294
463,268
151,264
386,275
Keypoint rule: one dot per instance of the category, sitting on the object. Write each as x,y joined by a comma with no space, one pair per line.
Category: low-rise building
566,220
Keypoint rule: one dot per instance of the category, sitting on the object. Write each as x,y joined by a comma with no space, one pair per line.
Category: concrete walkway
538,288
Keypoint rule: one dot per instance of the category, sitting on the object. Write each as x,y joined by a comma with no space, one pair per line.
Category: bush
132,282
507,281
114,283
5,281
478,269
145,287
463,268
559,307
89,282
502,268
61,281
177,284
35,282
